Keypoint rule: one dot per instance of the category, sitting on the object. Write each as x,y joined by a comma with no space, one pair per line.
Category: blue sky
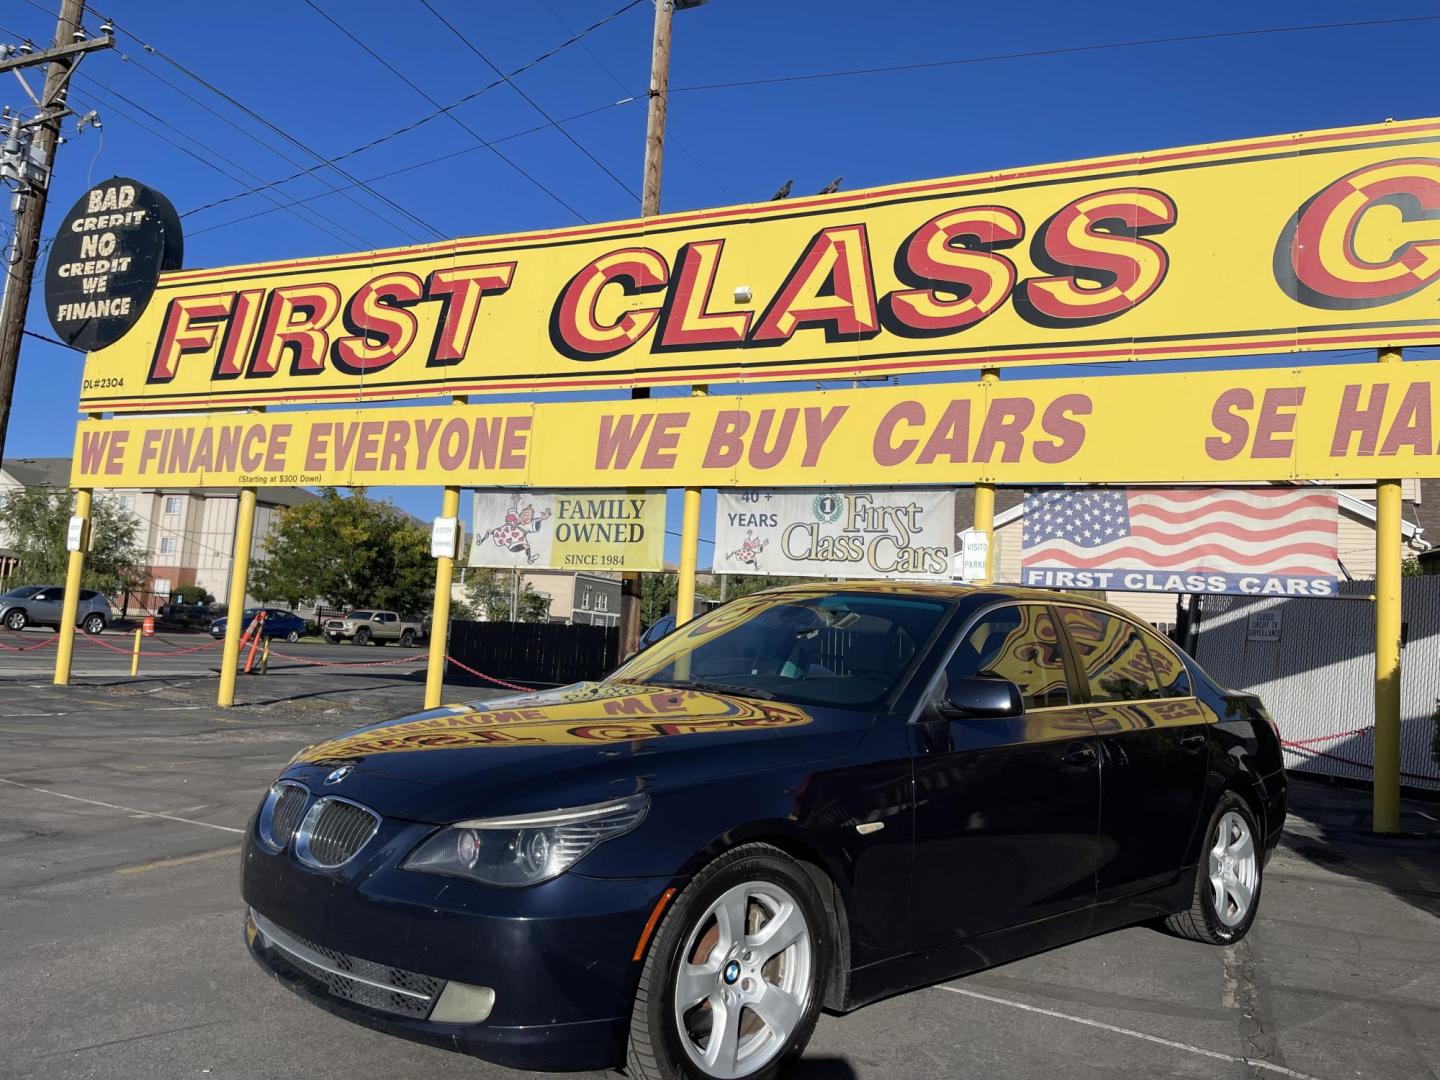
287,63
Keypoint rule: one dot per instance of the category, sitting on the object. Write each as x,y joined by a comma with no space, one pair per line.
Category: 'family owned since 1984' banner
1257,542
583,530
890,533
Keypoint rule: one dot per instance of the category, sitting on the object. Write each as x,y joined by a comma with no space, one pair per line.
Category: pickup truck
379,627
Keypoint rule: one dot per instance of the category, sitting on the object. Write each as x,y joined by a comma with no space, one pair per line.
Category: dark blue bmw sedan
807,799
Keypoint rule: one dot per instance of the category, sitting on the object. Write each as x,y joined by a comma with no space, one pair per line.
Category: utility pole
630,582
29,153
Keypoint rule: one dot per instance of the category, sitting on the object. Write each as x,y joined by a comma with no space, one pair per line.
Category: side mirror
981,699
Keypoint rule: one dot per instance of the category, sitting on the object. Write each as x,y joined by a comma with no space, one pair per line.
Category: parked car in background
279,623
810,798
372,627
189,616
42,605
660,628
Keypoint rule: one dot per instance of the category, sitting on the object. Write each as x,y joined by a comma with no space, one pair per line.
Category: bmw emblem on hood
339,774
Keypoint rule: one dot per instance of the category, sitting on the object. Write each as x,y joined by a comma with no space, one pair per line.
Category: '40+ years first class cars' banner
836,533
1323,240
580,530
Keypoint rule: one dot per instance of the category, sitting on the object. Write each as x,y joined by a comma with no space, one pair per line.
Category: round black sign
106,261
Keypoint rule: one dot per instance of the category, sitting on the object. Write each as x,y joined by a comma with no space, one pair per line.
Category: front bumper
557,958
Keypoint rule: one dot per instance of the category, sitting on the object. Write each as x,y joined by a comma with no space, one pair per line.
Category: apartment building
188,534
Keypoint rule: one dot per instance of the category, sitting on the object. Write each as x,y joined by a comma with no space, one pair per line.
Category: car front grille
333,831
284,813
363,982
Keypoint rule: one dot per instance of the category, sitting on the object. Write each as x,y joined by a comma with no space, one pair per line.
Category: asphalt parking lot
121,805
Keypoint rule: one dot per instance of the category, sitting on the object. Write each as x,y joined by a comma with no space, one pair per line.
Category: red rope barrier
1366,765
488,678
31,648
1325,738
347,663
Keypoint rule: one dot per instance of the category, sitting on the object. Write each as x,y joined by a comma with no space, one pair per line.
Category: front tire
362,636
734,979
1227,878
334,639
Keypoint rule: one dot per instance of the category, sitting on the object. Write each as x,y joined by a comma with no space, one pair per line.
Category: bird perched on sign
832,187
784,192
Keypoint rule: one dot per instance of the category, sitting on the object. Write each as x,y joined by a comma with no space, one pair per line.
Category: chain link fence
1312,662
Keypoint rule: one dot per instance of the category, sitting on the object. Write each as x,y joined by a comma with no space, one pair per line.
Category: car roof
945,590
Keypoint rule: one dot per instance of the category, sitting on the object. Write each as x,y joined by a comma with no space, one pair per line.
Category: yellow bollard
235,610
1385,812
985,494
64,648
265,658
440,614
135,656
689,546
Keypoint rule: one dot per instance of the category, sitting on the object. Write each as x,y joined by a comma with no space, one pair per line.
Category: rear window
1112,656
22,593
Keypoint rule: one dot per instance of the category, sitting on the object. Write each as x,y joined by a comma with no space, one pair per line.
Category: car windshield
360,615
23,592
845,649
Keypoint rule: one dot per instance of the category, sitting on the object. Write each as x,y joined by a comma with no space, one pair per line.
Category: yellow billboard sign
1351,421
1325,240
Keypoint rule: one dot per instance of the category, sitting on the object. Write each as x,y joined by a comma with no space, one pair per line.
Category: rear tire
293,636
407,639
93,624
1227,877
16,620
715,954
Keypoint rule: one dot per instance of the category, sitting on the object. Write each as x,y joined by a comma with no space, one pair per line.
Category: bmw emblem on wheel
732,972
339,774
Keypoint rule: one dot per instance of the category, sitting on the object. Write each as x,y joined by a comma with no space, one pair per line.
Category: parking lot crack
1243,994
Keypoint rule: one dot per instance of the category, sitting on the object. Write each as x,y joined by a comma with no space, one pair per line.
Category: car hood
567,747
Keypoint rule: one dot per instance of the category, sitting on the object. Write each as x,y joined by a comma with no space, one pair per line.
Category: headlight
528,848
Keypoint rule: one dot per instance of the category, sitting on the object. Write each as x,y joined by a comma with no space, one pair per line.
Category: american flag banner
1252,541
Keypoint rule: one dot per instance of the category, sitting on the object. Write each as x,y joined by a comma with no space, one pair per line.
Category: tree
489,591
347,551
37,519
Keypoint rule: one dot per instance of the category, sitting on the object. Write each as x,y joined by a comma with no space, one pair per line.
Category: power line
410,233
453,118
531,101
1071,50
428,117
669,137
267,124
415,165
353,240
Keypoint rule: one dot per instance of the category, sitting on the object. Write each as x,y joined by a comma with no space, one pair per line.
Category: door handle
1192,742
1084,754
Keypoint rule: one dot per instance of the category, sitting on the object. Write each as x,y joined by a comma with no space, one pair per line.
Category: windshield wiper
716,687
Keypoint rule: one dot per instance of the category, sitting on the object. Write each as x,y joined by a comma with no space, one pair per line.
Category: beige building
578,599
188,533
1356,529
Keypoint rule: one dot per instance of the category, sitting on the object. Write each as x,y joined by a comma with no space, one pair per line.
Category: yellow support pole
235,607
440,615
985,496
1386,808
689,545
135,657
65,646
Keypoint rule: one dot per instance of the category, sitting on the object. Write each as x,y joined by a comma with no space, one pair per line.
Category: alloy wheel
743,981
1234,869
